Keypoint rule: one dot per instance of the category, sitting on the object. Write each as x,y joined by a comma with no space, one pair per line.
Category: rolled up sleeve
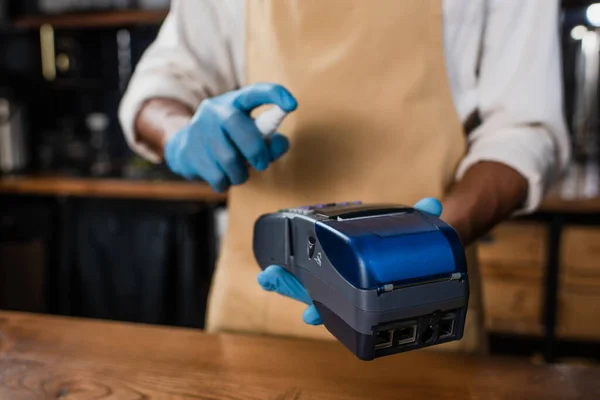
190,60
520,96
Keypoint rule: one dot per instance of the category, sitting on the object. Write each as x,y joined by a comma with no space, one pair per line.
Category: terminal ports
405,335
446,327
384,339
396,335
426,330
440,327
428,335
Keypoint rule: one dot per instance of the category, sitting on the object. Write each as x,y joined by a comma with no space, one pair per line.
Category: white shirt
502,58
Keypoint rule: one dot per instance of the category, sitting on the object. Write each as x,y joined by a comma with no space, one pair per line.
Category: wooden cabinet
513,261
579,311
579,288
513,305
580,252
515,244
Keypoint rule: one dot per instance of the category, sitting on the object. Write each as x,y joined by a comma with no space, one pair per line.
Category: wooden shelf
583,206
109,188
93,20
119,188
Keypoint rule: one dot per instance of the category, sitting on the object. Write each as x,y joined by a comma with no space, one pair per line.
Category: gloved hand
276,279
222,138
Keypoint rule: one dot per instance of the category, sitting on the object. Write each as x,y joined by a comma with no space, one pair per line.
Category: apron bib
375,122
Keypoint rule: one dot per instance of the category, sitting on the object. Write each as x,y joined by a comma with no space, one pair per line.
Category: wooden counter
45,357
171,190
112,188
93,19
556,204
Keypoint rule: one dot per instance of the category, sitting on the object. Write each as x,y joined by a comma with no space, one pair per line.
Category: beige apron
375,122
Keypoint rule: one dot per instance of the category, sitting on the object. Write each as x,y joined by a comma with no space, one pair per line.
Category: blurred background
89,229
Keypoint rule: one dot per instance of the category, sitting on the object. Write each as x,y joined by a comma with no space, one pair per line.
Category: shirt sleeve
193,58
520,96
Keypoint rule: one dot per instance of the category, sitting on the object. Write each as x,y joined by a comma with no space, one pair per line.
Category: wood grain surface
94,20
123,188
578,206
44,357
109,188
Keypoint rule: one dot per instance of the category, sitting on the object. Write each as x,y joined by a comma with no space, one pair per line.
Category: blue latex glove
222,139
276,279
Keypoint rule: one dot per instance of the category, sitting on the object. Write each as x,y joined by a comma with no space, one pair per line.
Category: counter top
182,190
58,357
580,206
93,19
112,188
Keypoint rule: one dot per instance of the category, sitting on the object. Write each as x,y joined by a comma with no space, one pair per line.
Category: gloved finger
429,205
174,155
276,279
188,158
209,170
228,158
260,94
243,132
278,146
311,316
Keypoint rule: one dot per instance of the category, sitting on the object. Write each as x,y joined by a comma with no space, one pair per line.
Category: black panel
363,210
272,240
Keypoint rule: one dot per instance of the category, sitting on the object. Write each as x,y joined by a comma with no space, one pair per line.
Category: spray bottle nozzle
269,121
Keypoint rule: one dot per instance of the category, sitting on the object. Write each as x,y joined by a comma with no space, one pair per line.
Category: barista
389,101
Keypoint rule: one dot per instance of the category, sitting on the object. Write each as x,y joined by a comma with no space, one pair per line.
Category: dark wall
91,84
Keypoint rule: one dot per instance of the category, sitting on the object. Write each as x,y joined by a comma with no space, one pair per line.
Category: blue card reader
384,278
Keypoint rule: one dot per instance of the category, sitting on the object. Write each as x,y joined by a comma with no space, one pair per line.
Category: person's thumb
311,316
429,205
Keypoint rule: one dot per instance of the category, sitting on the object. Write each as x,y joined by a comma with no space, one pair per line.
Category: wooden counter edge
195,191
110,188
579,206
93,19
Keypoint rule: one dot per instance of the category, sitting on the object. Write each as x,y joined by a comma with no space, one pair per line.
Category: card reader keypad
309,210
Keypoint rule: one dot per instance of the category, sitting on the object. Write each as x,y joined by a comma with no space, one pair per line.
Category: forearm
158,119
487,194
